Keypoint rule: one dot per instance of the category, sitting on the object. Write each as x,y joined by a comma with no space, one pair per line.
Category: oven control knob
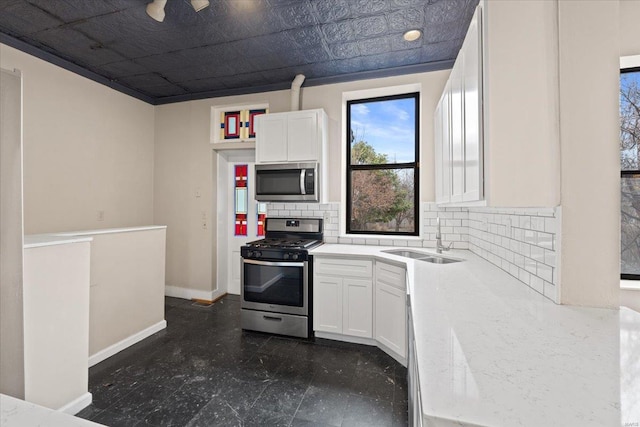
257,254
294,256
249,254
285,256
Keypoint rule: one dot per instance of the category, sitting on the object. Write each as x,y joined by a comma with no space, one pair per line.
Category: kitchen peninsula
491,351
88,295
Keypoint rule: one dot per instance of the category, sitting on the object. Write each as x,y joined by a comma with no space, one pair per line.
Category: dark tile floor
203,370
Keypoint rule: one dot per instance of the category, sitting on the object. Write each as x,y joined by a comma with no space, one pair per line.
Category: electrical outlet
327,217
204,225
100,216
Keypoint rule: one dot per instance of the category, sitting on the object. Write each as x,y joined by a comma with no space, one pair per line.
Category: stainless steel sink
407,254
421,256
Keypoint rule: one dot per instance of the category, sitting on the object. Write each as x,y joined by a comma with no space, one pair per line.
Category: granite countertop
493,352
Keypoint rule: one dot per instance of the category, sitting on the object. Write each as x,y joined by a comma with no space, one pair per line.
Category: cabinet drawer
390,274
344,267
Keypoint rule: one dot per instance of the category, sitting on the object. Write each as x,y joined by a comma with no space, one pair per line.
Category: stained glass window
241,199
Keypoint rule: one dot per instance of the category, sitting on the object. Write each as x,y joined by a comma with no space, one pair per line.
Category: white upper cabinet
295,136
458,125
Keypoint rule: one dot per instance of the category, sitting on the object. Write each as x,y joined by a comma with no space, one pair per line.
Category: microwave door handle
302,189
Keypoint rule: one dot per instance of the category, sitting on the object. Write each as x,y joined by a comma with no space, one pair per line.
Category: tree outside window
382,166
630,172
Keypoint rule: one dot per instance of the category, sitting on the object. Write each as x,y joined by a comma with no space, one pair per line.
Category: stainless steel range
276,277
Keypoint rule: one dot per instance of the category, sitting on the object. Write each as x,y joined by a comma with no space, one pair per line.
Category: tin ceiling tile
123,68
306,36
73,10
164,90
368,7
445,11
22,18
374,46
406,19
73,44
344,50
399,43
331,10
370,26
296,15
441,51
338,32
243,80
269,40
203,85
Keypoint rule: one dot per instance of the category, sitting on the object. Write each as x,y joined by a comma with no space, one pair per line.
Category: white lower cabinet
327,304
343,297
347,304
390,318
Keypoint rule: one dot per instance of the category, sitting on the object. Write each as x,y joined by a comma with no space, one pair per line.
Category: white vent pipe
295,92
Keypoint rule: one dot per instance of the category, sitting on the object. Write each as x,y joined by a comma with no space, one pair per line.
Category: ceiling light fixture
412,35
156,8
198,5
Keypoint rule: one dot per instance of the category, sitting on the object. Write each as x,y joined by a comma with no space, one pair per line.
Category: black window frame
624,173
415,165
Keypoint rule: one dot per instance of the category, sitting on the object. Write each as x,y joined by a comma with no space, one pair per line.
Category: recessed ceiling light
412,35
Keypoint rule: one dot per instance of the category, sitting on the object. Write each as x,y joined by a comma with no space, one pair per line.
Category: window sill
630,285
379,237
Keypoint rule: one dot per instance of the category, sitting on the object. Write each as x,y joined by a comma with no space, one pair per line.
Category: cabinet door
357,315
271,138
445,162
457,130
471,49
391,322
302,134
327,304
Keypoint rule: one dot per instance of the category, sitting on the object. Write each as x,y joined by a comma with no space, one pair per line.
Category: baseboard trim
193,294
346,338
365,341
103,354
78,404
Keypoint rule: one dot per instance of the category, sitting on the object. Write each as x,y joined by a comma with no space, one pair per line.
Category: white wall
11,307
521,104
629,27
87,148
185,162
589,134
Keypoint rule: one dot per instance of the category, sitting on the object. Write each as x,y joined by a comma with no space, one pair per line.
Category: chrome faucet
439,246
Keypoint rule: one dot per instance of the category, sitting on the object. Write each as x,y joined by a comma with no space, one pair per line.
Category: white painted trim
103,354
401,360
78,404
188,293
346,338
629,61
630,285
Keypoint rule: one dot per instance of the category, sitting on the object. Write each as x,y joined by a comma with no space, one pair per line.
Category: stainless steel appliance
287,182
276,277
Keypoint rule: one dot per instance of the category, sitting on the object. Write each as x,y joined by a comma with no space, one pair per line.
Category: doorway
229,243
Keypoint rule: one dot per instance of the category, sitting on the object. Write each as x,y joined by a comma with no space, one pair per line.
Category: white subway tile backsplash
521,241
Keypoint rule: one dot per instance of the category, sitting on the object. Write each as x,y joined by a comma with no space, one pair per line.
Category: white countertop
65,237
493,352
40,240
18,413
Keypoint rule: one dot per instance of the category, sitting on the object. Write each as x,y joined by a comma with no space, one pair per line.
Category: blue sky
388,126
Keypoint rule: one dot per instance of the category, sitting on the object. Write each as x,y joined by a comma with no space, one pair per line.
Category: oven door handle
273,264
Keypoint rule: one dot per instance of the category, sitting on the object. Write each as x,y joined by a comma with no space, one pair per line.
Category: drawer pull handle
277,319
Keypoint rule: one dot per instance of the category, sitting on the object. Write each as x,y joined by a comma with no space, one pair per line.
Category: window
630,172
382,165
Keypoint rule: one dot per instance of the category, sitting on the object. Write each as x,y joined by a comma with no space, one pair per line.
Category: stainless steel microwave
287,182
